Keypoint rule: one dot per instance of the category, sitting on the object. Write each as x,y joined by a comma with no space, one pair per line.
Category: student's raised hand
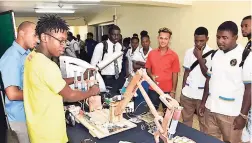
198,52
239,123
94,90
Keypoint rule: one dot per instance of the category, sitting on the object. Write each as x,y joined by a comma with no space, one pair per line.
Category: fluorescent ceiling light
54,7
83,0
54,11
186,2
95,4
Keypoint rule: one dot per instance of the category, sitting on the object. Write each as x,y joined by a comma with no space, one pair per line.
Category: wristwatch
245,117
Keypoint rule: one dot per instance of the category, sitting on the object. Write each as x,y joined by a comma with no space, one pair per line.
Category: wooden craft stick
152,108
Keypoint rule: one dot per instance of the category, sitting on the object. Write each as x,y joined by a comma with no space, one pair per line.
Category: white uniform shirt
139,55
81,44
75,45
226,87
129,56
247,79
196,80
97,57
247,69
72,48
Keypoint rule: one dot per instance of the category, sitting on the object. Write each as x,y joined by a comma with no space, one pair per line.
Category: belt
108,76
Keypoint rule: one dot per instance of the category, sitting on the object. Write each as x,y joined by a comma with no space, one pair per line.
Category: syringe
75,80
174,122
82,82
88,83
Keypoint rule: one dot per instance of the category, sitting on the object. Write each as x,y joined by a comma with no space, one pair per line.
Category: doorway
100,30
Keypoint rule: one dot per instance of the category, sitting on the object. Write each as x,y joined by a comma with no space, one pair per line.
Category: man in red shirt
163,67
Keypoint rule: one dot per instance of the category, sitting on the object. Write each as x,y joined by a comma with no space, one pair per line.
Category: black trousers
154,97
110,81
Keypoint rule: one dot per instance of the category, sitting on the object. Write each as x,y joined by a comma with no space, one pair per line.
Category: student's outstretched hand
239,123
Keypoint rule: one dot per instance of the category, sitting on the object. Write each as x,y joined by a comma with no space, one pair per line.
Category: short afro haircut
229,26
48,23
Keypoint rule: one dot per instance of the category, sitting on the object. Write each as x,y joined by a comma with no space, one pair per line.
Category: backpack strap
197,61
213,54
105,48
212,58
245,53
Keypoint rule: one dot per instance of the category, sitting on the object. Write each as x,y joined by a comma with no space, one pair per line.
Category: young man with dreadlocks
44,88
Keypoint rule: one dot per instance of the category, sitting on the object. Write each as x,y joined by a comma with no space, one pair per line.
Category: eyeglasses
62,42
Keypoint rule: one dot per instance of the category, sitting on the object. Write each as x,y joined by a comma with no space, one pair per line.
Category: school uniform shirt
195,82
82,45
226,86
247,79
130,56
140,56
71,48
75,45
97,57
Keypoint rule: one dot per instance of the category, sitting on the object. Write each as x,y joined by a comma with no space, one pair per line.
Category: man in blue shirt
90,44
12,68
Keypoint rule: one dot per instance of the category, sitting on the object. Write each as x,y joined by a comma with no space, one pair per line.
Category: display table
79,133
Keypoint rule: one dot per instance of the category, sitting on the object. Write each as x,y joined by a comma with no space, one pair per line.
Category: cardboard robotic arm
166,126
69,64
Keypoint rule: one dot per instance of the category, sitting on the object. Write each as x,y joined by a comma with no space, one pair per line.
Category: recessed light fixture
54,11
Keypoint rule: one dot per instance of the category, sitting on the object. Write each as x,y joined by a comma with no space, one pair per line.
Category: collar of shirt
110,42
206,49
144,57
141,50
168,52
20,49
72,41
233,51
132,54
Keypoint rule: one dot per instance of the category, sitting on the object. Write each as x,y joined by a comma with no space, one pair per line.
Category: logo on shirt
233,62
